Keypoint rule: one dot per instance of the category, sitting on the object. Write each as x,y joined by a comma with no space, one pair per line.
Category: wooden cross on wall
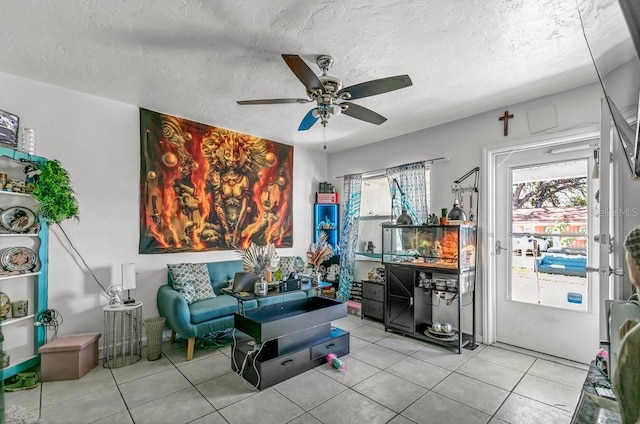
506,118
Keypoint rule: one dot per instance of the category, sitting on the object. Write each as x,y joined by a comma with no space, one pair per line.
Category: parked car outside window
529,244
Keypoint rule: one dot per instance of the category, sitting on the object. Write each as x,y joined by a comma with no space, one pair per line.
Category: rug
215,340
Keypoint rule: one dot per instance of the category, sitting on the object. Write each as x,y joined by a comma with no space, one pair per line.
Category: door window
549,235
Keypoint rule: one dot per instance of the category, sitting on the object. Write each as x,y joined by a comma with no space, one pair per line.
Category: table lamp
129,281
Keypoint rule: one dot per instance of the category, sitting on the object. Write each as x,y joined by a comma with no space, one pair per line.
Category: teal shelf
12,163
327,215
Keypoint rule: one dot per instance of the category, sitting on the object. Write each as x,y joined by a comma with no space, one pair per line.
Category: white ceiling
196,58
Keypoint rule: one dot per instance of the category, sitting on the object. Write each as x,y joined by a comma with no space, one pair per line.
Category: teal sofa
210,315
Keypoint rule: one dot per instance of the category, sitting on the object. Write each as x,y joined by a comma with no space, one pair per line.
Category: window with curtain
409,189
375,209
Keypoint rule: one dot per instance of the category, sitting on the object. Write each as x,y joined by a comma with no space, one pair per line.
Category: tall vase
315,278
261,287
28,140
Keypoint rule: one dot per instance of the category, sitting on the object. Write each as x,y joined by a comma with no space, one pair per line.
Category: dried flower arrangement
260,259
320,251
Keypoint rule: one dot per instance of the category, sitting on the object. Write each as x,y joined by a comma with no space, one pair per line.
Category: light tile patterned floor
388,379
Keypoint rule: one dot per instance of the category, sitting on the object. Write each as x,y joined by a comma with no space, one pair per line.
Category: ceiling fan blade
379,86
303,72
308,121
272,101
362,113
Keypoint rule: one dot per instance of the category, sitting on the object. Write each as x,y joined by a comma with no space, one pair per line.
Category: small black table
245,296
277,341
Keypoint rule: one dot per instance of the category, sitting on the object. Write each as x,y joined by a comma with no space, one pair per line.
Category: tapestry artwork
209,188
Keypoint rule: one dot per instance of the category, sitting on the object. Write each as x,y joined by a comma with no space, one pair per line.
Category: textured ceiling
196,58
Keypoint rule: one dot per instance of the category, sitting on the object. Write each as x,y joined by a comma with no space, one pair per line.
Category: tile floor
388,379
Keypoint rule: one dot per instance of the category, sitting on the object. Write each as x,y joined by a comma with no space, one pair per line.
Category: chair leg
191,343
173,337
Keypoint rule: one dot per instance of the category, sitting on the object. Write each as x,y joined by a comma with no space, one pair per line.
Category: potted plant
53,192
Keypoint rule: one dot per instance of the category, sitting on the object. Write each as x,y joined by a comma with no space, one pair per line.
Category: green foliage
559,192
54,194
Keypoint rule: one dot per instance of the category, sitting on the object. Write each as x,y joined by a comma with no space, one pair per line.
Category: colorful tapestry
209,188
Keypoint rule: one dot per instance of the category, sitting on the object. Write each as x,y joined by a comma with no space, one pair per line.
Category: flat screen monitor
613,37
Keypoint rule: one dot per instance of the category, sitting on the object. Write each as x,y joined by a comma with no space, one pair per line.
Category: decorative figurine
370,247
375,276
327,224
437,249
114,296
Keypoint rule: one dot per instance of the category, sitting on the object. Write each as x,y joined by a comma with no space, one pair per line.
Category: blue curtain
349,237
410,178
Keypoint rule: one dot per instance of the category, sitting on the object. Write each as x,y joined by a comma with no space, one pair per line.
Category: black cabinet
428,266
373,300
399,307
410,299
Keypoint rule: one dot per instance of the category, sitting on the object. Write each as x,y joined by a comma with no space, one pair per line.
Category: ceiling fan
330,96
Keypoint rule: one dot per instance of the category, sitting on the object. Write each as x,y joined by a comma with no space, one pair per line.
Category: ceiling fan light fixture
315,113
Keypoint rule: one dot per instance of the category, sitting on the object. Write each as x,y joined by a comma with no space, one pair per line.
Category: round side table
122,342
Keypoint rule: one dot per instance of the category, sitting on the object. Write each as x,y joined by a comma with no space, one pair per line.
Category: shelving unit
424,266
326,218
22,337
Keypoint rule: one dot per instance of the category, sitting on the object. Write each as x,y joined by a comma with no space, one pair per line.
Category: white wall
463,140
97,141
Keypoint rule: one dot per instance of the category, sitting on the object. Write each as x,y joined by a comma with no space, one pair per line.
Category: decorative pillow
192,281
286,266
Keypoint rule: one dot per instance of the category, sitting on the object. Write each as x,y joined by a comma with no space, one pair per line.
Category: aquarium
431,246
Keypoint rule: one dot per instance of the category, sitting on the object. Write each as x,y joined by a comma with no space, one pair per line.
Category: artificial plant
53,192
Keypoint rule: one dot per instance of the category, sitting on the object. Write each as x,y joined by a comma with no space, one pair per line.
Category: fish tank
430,246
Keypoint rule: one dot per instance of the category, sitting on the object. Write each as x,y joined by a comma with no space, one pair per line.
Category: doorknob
604,239
499,247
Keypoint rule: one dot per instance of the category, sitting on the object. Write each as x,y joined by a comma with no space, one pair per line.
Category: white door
545,207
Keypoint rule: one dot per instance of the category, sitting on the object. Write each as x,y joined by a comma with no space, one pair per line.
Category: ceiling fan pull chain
324,135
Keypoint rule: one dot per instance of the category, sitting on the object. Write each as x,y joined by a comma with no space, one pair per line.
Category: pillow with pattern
192,281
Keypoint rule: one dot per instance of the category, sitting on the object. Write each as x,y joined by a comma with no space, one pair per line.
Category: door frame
488,218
